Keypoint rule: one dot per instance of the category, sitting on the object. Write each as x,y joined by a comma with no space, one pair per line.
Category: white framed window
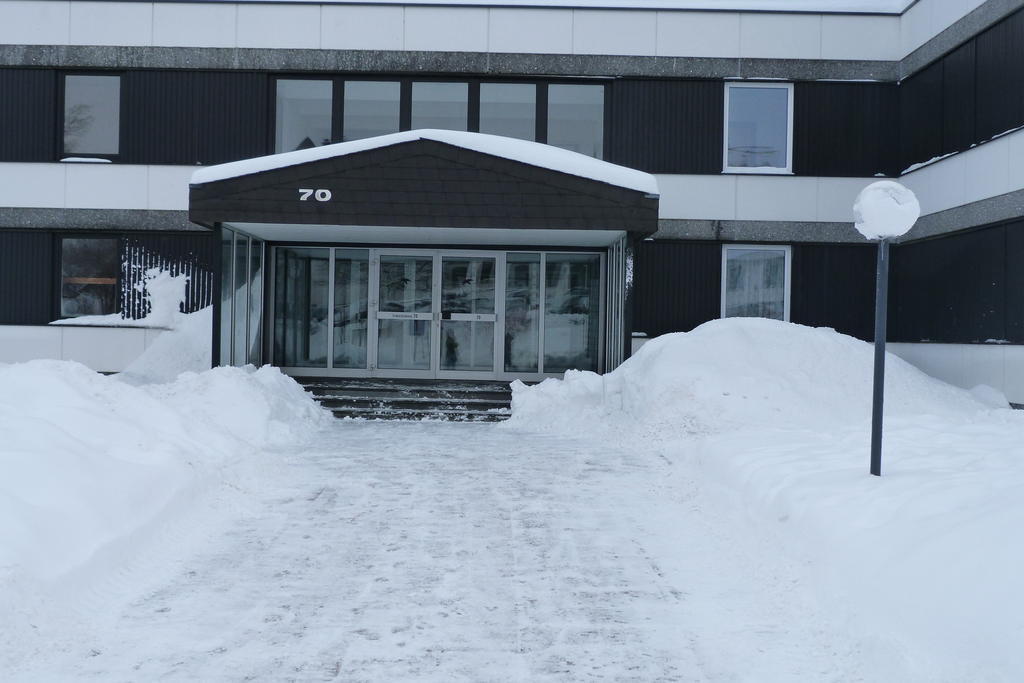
755,281
758,128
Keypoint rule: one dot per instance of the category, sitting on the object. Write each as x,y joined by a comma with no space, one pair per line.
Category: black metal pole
881,313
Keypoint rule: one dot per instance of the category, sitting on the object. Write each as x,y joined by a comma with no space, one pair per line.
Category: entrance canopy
414,182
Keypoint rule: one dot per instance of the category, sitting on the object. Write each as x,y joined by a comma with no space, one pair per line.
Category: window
509,109
312,112
89,270
92,112
440,105
576,118
758,128
755,281
303,114
371,108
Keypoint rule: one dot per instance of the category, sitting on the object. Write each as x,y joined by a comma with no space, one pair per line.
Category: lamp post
883,210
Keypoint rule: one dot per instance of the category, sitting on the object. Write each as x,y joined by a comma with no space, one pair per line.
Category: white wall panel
362,27
607,32
944,13
939,186
102,186
194,24
34,23
710,197
446,29
1015,143
986,171
915,27
793,36
39,185
19,343
168,187
1013,362
836,197
280,26
698,34
860,37
774,198
539,31
968,365
104,349
111,23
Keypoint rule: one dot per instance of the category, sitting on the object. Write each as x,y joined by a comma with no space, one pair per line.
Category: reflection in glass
440,105
572,316
406,287
371,108
758,127
576,118
351,288
241,305
406,283
467,289
509,109
92,107
522,313
89,269
755,283
226,262
256,303
301,277
303,114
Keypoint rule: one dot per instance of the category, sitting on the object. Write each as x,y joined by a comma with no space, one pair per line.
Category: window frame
61,112
405,101
786,249
759,170
58,272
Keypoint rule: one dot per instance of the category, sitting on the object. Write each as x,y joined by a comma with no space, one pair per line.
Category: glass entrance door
405,312
468,295
430,313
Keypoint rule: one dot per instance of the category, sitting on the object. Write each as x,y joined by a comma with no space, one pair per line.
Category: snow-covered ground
703,513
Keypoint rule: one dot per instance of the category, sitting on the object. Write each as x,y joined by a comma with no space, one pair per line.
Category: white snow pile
93,462
730,374
923,564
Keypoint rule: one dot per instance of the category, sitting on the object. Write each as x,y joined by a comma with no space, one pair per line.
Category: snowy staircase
406,399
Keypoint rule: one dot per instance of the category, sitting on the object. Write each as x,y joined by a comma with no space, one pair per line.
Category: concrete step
405,399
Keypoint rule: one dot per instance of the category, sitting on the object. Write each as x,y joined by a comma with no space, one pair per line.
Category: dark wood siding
677,285
845,129
834,286
158,120
958,101
667,126
921,116
959,289
184,117
1000,77
28,110
426,183
27,277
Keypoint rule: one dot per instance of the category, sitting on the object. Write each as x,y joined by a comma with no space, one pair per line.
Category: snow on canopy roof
824,6
532,153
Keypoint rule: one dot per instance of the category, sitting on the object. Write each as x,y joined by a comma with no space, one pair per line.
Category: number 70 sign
321,195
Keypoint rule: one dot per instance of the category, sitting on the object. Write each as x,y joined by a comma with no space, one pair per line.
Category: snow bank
735,373
922,561
88,459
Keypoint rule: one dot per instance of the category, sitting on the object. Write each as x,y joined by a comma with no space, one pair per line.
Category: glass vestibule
433,313
241,299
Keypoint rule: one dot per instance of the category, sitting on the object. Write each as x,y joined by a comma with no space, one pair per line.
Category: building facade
396,253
